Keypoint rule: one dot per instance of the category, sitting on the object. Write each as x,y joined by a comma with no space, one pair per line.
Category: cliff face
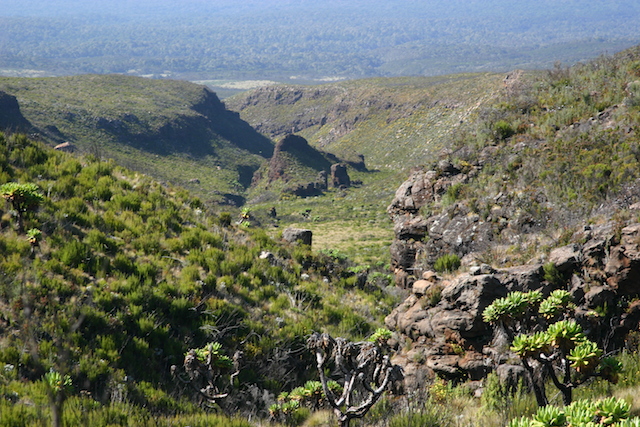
442,318
10,116
421,238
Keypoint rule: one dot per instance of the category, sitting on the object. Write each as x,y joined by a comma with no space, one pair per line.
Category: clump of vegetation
447,263
24,199
605,412
561,351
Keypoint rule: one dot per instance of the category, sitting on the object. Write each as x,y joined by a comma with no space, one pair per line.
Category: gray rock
293,235
566,258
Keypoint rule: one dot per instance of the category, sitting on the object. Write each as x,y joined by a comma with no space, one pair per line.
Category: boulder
293,235
70,148
420,287
445,366
567,258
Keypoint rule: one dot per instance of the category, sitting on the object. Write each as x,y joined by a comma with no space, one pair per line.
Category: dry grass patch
364,244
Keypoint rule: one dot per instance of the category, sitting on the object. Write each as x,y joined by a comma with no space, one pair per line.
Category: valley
148,280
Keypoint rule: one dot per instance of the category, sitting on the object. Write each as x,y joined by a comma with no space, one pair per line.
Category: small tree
365,372
57,386
561,351
24,198
208,372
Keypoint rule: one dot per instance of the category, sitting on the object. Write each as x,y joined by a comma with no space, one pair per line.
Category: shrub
503,130
447,263
74,253
552,275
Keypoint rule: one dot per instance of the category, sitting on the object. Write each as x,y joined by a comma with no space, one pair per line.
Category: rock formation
293,235
443,318
339,176
10,116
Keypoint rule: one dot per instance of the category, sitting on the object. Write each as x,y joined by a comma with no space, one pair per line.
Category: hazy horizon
277,39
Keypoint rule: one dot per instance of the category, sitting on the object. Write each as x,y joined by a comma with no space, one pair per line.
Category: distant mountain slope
174,130
395,123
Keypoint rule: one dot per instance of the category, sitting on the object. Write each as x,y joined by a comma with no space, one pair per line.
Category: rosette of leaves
211,354
583,413
283,411
34,236
56,382
380,336
580,413
610,411
23,198
558,302
549,416
520,422
565,335
512,307
584,357
531,345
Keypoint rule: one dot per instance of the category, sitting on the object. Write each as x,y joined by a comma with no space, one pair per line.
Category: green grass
131,273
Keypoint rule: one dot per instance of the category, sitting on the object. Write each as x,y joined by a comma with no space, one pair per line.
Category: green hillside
176,131
109,277
395,123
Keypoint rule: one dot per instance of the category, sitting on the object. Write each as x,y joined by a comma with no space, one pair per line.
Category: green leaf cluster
512,307
582,413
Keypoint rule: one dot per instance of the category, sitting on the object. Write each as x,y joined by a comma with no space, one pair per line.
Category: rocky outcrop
339,176
292,150
443,318
430,220
456,230
10,116
303,168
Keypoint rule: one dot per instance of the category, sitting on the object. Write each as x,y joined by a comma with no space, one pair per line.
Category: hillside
507,164
395,123
526,182
110,277
176,131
